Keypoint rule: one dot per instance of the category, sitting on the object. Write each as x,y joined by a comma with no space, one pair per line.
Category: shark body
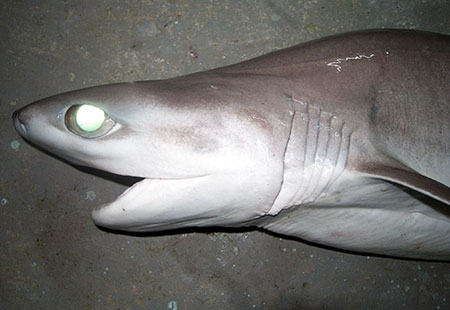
343,141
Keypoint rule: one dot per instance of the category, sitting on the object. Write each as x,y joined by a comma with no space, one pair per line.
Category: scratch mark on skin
259,119
337,64
298,101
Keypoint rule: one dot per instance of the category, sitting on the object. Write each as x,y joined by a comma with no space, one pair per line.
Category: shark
342,141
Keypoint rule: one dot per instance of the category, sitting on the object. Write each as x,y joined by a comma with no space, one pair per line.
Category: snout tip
18,123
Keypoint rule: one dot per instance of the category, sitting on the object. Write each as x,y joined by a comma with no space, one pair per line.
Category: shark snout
20,118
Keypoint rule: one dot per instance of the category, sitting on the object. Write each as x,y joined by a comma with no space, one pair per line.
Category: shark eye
88,121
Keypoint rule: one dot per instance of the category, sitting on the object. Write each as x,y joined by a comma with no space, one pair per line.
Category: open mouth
151,203
148,204
128,210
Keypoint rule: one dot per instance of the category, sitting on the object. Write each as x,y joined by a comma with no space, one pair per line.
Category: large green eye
89,118
88,121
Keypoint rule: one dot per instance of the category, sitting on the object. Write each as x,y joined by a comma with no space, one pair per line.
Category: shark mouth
152,204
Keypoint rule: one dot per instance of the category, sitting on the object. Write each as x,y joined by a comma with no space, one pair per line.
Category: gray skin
343,141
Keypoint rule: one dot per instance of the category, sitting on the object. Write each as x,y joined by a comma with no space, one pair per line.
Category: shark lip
134,181
97,209
142,205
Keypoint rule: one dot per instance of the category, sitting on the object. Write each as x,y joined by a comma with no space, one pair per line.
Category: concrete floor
54,257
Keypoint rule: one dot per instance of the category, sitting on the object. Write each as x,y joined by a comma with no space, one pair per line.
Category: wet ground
54,257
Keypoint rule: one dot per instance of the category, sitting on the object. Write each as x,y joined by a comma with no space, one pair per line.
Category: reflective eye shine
88,121
89,118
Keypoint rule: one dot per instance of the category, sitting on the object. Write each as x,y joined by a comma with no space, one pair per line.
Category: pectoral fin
410,179
373,216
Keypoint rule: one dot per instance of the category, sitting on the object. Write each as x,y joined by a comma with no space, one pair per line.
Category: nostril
20,115
18,124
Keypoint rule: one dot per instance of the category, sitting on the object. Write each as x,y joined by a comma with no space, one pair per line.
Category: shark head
204,158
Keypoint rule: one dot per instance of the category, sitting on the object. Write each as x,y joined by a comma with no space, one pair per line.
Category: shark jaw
163,204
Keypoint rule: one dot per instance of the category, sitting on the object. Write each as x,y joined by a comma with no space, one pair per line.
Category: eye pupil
89,118
88,121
